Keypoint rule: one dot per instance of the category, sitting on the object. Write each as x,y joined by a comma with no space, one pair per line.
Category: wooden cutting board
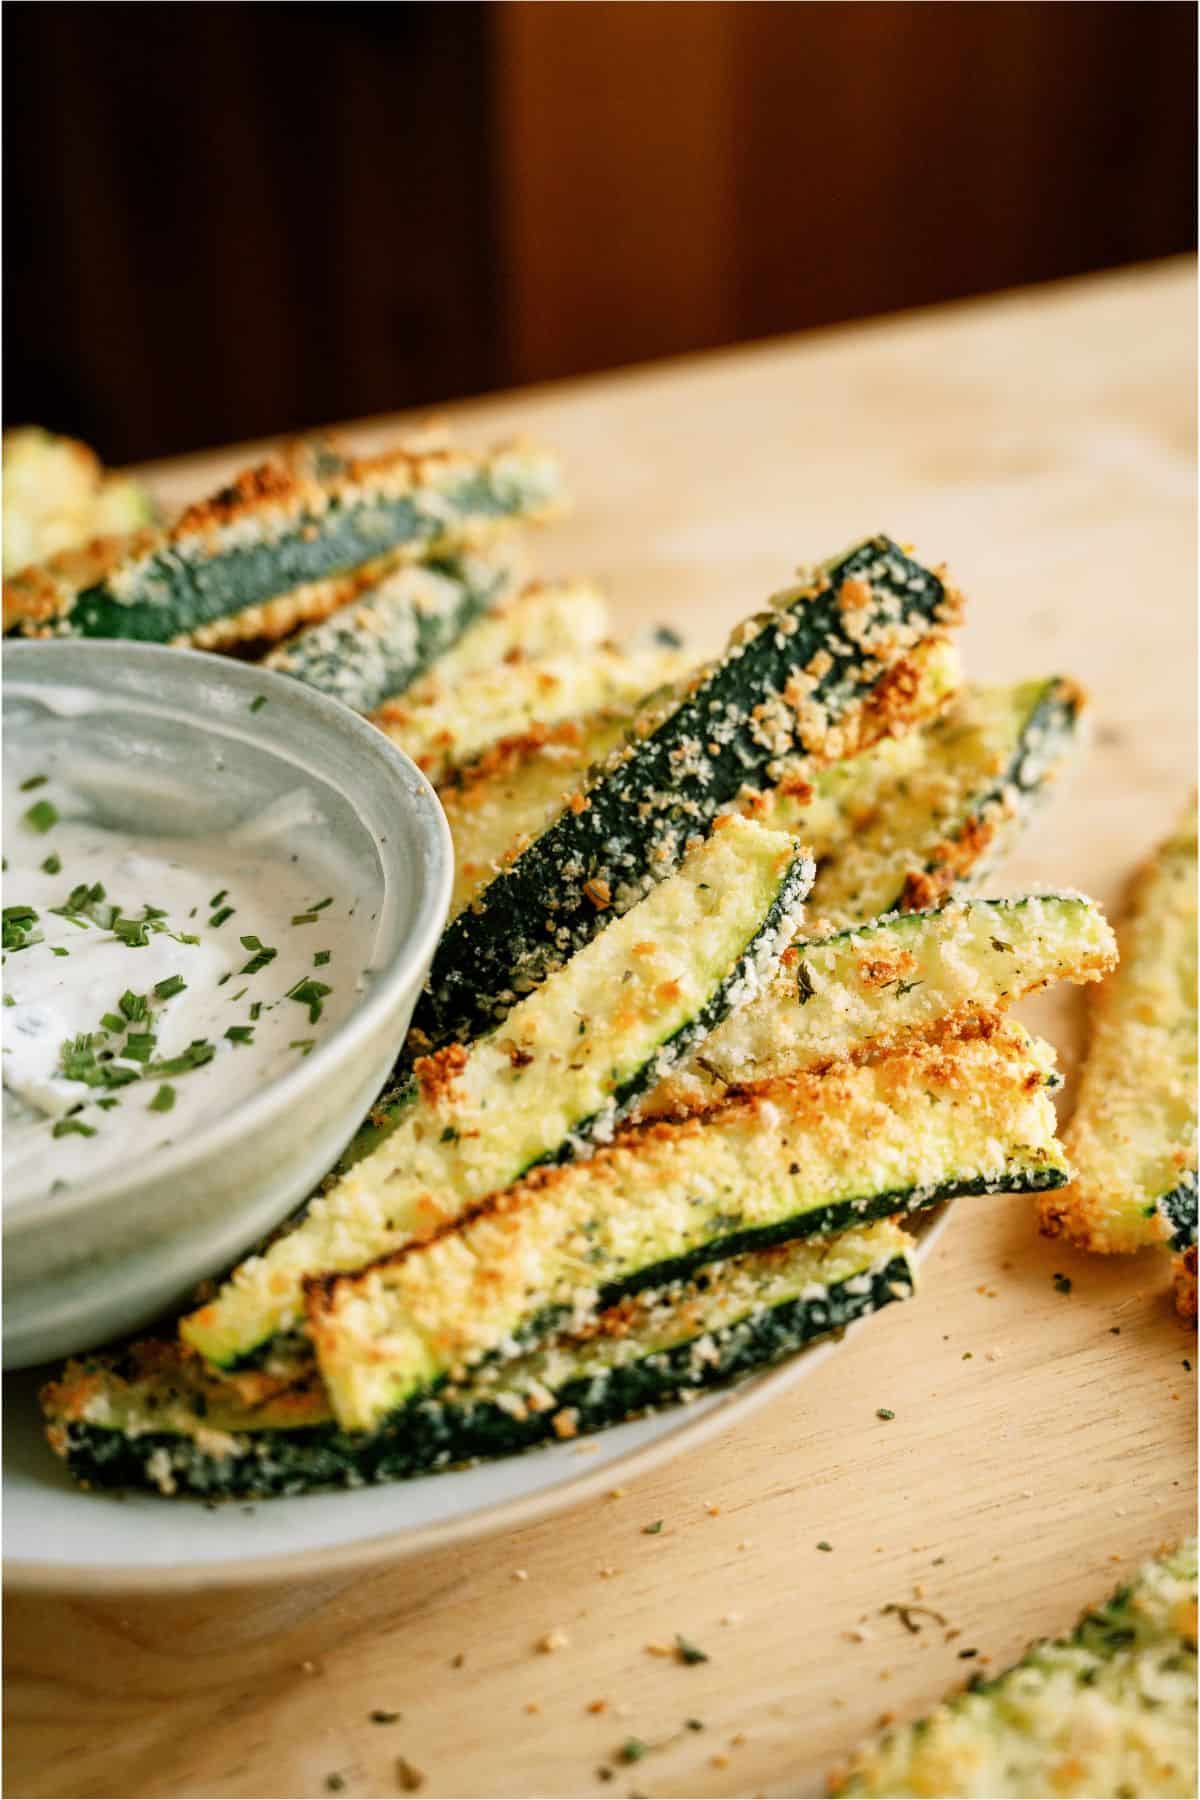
1041,443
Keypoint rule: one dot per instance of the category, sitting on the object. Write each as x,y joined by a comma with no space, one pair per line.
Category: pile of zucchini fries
716,1005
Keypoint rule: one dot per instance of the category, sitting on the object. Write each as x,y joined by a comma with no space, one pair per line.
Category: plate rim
399,1545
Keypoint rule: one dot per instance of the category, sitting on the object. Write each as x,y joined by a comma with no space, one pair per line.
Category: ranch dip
153,983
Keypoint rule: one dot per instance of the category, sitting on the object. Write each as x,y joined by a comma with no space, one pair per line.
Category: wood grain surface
1042,1442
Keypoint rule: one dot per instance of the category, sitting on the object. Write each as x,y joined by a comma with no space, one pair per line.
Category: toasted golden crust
1132,1138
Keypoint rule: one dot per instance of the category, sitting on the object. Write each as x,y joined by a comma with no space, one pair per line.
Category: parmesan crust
1132,1138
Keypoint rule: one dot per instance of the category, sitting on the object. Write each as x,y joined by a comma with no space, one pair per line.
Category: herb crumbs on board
687,1652
653,1529
884,1412
822,1545
633,1750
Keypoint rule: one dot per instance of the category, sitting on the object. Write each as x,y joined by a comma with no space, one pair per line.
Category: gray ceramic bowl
104,1258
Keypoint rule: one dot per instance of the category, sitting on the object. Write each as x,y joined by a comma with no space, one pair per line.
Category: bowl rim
390,983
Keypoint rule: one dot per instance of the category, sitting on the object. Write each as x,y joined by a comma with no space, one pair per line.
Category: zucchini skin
728,733
382,642
454,1427
273,531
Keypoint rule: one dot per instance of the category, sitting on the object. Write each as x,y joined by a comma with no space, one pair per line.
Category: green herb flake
72,1128
633,1750
310,993
40,816
320,958
653,1529
240,1034
52,865
263,954
222,913
58,950
804,982
218,897
884,1412
133,1005
133,933
112,1022
258,702
256,1009
379,1716
824,1546
139,1046
304,1045
170,985
689,1652
164,1099
1062,1283
449,1136
34,781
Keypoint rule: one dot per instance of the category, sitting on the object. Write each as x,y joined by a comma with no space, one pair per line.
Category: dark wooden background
227,220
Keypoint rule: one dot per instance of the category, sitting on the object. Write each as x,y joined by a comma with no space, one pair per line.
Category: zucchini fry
570,1062
814,677
153,1416
931,814
1132,1138
1111,1709
800,1157
873,987
280,546
451,724
385,640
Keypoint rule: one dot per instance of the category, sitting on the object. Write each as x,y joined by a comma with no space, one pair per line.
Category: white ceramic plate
57,1537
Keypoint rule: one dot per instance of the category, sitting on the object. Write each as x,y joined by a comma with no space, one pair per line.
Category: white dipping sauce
135,1011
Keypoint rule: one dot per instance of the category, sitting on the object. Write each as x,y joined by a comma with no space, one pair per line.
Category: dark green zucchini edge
364,667
1178,1210
177,592
435,1433
656,793
817,1222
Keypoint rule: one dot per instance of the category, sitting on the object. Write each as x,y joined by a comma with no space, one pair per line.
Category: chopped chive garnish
171,984
35,781
263,954
198,1052
107,1104
52,864
41,816
320,958
59,950
133,1005
133,933
67,1127
240,995
256,1009
304,1045
310,993
222,913
139,1046
240,1034
217,898
309,915
164,1099
258,702
20,927
112,1021
153,912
